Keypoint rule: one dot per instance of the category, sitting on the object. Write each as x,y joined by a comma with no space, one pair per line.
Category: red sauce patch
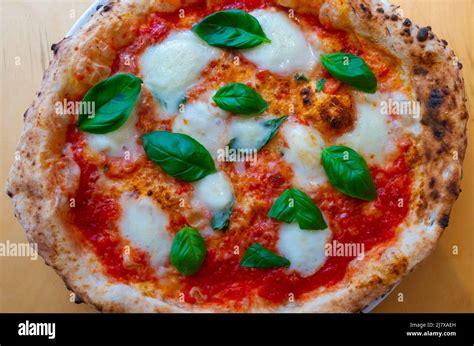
95,215
351,220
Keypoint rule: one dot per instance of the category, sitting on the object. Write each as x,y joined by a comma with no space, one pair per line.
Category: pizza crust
41,207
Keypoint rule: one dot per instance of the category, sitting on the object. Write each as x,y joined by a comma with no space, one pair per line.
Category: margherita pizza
241,155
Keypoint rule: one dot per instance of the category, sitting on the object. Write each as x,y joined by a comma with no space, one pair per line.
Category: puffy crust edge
435,72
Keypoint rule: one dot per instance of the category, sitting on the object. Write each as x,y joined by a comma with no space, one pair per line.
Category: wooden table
444,282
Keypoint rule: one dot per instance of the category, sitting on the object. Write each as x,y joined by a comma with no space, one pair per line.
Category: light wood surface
443,283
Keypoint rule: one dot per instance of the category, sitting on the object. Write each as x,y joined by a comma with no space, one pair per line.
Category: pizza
241,155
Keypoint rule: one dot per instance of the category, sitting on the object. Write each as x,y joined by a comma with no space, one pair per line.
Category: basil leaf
188,251
220,218
178,155
294,205
320,85
113,100
239,98
269,128
257,256
350,69
347,171
231,29
301,76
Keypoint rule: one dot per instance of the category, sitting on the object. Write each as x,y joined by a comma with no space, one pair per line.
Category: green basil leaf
269,128
320,85
301,76
257,256
188,251
231,29
220,218
178,155
350,69
348,172
113,100
294,205
239,98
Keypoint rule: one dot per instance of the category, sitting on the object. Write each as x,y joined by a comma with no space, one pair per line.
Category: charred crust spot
422,34
459,65
444,221
106,8
438,134
77,299
55,48
434,194
9,193
366,10
443,148
432,182
394,17
98,7
420,71
25,114
386,16
149,193
407,22
436,98
431,117
453,189
380,10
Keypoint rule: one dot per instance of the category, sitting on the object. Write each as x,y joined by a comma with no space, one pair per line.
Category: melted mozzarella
303,154
205,123
289,52
118,142
371,134
144,224
305,249
173,66
249,133
215,191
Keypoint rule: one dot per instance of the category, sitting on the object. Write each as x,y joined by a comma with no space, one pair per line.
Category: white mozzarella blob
371,134
205,123
117,142
289,52
250,133
144,224
303,248
173,66
304,154
215,191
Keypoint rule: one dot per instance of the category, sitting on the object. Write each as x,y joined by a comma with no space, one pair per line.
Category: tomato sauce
95,215
349,221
